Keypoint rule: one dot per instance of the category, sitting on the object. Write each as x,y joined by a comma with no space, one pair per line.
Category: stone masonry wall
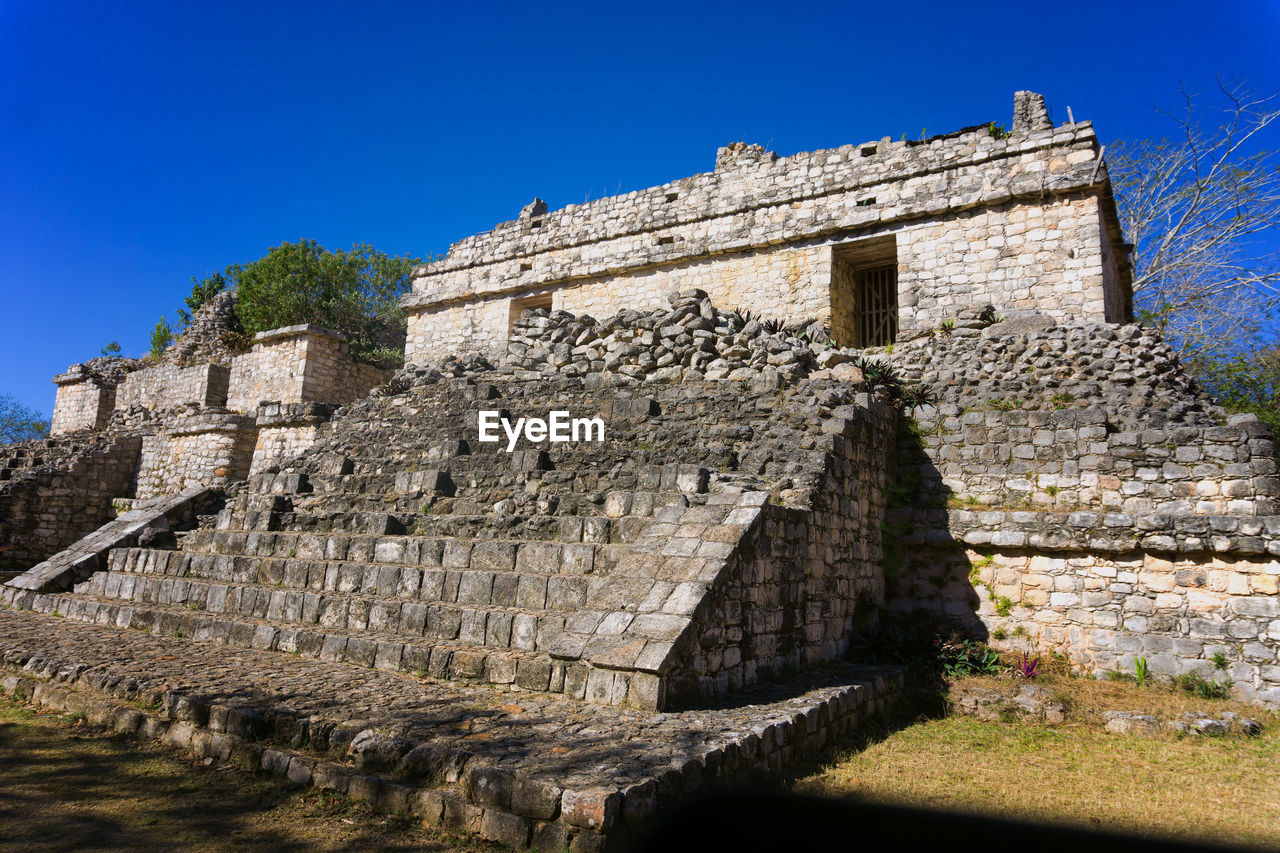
298,364
805,577
50,506
1103,610
286,431
169,385
81,404
1074,490
1078,416
1015,220
211,448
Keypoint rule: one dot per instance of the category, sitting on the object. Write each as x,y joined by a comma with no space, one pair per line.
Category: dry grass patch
1220,789
67,786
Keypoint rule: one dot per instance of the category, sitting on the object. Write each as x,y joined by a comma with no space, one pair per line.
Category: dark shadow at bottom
747,820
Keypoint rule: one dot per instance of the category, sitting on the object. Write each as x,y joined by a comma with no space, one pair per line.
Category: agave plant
1027,667
397,385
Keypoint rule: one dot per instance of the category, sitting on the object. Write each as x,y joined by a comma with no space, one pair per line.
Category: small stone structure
205,415
1023,219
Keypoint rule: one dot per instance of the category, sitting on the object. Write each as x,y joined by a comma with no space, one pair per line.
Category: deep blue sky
143,143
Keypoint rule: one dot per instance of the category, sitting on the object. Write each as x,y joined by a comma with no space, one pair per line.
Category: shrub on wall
356,292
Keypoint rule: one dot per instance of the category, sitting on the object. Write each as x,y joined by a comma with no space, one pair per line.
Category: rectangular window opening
869,151
672,196
526,303
525,267
666,241
864,293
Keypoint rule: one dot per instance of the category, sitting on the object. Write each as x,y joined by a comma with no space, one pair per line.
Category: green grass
1181,786
65,785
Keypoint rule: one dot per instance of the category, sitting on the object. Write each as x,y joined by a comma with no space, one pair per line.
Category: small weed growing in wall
1052,491
997,131
1019,631
1219,661
1062,400
989,316
1140,671
999,634
177,633
947,326
1004,405
1004,605
1197,685
1026,666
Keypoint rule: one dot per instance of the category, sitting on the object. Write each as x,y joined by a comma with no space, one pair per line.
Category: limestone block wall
1072,459
806,577
1019,220
169,385
209,449
80,404
298,364
1045,256
745,588
286,430
1105,608
51,506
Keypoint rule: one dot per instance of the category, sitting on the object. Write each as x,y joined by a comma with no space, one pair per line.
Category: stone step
523,769
553,591
474,619
566,528
577,554
427,657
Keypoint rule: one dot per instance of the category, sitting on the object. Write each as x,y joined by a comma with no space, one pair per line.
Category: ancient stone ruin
837,388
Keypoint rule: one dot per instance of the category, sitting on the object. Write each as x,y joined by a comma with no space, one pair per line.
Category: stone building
410,606
877,240
206,414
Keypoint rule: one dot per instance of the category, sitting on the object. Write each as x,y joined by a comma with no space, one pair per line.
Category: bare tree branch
1203,213
19,423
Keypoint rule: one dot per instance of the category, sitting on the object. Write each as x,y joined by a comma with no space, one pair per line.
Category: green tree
112,348
356,292
20,423
1244,382
161,337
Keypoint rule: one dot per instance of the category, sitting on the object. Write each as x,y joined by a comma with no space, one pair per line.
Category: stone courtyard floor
515,767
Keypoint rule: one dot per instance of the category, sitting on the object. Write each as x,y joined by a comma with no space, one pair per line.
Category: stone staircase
402,543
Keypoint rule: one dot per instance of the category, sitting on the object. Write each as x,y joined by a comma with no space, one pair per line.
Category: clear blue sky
142,143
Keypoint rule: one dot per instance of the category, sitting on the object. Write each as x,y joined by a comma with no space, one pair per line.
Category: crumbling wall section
206,449
45,508
1075,491
286,431
81,404
169,385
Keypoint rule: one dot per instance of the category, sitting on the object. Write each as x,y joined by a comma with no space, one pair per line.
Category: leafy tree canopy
19,423
356,292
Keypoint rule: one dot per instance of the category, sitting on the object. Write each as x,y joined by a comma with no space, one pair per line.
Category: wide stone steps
567,528
431,657
553,591
605,542
496,625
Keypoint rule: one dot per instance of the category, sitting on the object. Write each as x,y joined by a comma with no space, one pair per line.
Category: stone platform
523,768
